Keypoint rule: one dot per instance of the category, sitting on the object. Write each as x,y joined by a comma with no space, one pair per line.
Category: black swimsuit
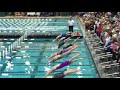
67,46
59,75
61,43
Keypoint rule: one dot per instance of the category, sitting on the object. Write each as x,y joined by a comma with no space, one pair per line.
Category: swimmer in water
65,35
62,55
64,73
63,64
62,51
71,44
63,42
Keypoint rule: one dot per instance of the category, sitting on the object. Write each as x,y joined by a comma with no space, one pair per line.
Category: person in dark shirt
108,46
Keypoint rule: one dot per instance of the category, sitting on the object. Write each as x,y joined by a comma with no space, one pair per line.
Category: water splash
80,76
46,68
27,63
80,63
9,66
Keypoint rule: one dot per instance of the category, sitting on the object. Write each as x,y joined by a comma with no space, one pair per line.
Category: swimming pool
30,58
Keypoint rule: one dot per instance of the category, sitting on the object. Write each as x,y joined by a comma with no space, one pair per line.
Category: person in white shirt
71,24
97,22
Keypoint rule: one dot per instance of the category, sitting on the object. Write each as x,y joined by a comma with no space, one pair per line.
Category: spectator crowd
107,27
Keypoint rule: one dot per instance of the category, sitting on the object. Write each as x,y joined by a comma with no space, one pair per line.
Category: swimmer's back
63,64
61,43
59,75
67,46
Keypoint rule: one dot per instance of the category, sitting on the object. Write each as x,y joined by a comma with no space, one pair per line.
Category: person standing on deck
71,24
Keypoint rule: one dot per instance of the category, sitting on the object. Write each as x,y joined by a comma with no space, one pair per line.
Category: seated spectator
108,45
114,47
107,38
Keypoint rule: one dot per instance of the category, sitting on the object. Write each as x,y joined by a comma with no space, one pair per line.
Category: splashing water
80,63
80,76
46,68
9,66
27,63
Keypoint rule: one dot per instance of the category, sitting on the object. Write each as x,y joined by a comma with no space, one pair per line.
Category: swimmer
68,34
63,38
63,64
62,51
64,73
63,42
71,44
62,55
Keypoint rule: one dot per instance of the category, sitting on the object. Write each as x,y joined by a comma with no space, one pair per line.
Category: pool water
36,53
15,26
30,59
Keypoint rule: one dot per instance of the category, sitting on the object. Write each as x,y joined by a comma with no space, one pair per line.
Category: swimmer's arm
66,40
75,52
77,59
48,62
57,38
49,77
61,39
57,42
50,56
75,40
